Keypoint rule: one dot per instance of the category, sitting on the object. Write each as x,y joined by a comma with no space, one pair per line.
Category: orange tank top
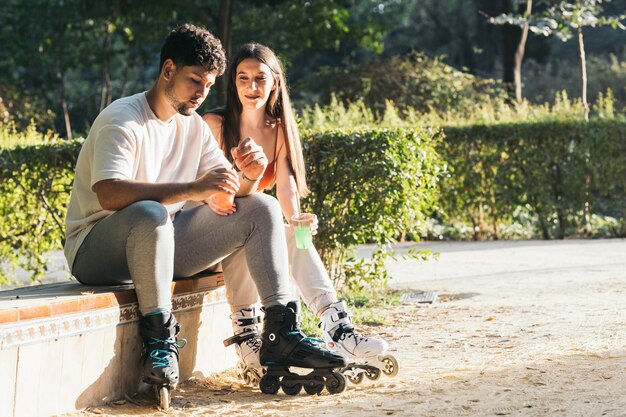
269,176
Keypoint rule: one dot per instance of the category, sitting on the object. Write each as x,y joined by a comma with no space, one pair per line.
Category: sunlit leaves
36,173
369,186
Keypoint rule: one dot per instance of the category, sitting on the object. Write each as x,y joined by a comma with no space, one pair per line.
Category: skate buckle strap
248,321
340,315
290,317
241,337
162,356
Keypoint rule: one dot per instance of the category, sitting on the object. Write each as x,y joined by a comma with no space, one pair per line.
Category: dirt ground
519,330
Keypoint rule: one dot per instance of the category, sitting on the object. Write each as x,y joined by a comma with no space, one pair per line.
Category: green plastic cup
302,230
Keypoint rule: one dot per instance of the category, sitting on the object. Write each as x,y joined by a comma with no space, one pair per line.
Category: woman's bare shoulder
213,119
215,124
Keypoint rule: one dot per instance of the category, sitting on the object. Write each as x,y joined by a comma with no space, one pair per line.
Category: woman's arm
286,190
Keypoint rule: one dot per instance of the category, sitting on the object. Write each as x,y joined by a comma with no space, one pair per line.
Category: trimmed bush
377,185
561,171
35,181
369,186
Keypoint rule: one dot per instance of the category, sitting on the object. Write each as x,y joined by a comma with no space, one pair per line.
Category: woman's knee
263,203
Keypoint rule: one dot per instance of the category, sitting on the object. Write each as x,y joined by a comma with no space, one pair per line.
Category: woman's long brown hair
278,107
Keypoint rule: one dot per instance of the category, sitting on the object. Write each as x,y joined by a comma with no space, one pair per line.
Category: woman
258,107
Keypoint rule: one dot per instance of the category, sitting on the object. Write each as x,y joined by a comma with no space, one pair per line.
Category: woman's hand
219,206
250,158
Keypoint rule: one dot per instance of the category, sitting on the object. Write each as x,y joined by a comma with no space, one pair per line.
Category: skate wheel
314,387
292,389
356,379
391,366
373,375
269,384
336,383
164,398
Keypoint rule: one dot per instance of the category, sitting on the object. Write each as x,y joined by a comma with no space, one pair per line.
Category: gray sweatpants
140,244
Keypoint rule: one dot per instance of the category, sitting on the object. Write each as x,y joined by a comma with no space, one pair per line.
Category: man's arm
116,194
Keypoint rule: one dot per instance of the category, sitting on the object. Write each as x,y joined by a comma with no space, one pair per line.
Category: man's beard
176,105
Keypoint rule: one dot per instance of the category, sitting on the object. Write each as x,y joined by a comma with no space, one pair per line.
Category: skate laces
308,339
254,343
313,339
344,332
162,357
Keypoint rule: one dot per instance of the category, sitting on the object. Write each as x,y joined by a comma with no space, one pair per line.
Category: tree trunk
223,30
510,39
519,55
126,70
66,112
105,96
514,39
583,67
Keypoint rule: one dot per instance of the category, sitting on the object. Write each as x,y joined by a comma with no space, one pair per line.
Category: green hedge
374,185
368,186
35,182
562,172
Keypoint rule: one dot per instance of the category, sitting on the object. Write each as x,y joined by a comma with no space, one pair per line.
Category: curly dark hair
189,45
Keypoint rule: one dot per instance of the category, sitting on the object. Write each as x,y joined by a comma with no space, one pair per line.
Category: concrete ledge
64,347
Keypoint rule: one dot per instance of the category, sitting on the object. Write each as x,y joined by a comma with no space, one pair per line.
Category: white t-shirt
127,141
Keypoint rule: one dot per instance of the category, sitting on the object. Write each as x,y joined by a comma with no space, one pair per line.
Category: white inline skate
366,355
247,340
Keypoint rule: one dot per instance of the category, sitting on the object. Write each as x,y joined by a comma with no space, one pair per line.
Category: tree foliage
412,82
70,58
563,18
369,186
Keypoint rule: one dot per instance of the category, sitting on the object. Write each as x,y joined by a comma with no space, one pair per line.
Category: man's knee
148,215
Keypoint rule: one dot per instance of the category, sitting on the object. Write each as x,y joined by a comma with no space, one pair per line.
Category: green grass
364,306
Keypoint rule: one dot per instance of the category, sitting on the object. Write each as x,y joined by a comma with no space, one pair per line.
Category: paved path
528,328
505,270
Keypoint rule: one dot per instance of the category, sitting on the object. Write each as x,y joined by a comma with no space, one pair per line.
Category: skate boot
284,345
366,355
160,355
247,340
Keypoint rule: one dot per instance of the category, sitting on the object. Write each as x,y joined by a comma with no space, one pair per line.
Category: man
147,155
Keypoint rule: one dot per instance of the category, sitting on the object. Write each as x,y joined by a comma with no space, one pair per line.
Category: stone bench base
65,347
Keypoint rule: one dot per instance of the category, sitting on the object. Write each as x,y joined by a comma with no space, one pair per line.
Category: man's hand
221,179
250,158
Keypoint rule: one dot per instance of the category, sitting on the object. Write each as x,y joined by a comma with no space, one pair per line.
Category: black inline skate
160,354
284,345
